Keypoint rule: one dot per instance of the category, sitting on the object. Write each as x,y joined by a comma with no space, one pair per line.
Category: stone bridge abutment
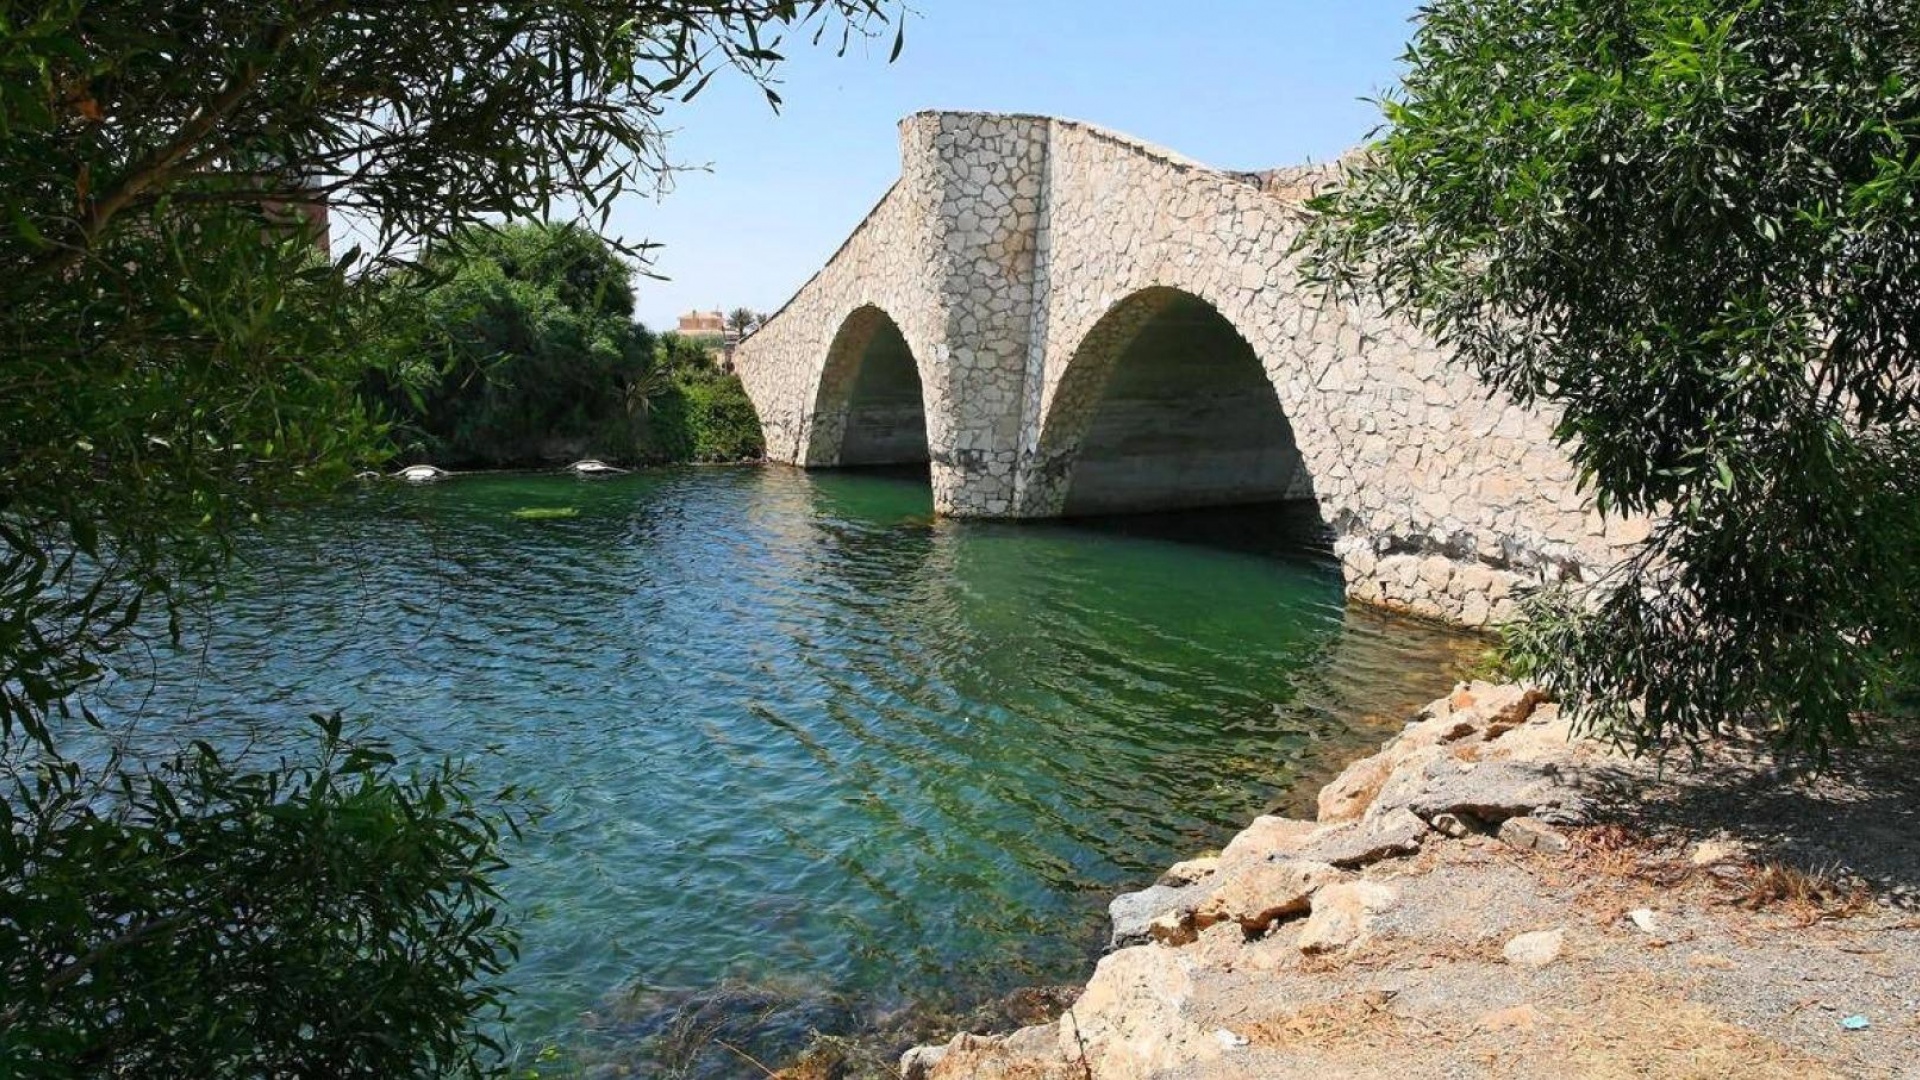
1063,320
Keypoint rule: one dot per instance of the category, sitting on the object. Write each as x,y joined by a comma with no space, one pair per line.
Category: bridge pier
1062,320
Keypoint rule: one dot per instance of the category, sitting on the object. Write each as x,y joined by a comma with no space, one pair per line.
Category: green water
793,733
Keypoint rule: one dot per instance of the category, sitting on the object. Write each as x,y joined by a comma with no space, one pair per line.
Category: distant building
703,324
711,327
303,205
312,215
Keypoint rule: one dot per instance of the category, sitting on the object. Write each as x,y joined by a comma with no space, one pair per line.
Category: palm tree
742,321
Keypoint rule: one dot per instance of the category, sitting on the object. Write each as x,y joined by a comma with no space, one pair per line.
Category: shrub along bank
516,346
703,413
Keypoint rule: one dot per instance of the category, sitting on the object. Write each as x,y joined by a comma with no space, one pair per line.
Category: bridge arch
1163,405
870,406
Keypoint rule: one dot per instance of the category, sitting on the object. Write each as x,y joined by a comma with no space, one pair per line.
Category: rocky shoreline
1489,896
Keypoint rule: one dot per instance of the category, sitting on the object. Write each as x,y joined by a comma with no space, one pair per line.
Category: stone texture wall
1020,257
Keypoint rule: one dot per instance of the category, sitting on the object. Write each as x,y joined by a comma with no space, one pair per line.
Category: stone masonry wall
1020,256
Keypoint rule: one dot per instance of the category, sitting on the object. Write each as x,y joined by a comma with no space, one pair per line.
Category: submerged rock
702,1034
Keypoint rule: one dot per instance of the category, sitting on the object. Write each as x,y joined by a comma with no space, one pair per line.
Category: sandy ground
1739,919
1735,978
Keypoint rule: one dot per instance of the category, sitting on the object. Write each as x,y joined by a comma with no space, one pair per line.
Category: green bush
702,414
516,346
1690,229
721,420
331,919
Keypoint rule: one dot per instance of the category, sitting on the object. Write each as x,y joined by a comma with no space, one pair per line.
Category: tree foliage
520,346
703,413
179,362
420,119
743,321
222,922
1689,227
513,346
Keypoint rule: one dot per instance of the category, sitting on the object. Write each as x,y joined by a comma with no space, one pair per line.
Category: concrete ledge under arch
1009,239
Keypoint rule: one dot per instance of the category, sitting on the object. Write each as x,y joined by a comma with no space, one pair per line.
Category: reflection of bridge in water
1062,320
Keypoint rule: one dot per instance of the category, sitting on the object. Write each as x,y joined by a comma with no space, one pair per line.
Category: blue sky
1236,83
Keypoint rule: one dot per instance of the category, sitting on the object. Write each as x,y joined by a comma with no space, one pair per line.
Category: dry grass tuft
1633,1028
1616,850
1638,1032
1806,897
1351,1022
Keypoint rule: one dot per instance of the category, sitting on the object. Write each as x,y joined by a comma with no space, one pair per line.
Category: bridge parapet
1078,313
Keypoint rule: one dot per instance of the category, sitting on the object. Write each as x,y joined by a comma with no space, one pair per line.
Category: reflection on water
791,729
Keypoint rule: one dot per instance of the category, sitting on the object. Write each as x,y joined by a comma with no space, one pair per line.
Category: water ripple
786,726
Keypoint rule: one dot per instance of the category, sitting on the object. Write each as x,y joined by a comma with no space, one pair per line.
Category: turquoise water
793,733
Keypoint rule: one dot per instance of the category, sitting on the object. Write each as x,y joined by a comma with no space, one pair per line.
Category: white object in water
591,467
422,474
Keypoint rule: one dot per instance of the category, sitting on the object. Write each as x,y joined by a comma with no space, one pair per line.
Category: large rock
1496,704
1362,843
1259,895
1186,873
1343,913
1508,706
1350,793
919,1062
1491,791
1473,714
1028,1054
1132,1022
1133,914
1408,780
1546,735
1267,837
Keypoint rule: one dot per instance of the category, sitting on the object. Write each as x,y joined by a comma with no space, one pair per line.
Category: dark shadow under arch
870,409
1166,406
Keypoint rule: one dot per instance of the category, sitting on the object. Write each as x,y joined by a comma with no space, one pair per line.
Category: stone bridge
1062,320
